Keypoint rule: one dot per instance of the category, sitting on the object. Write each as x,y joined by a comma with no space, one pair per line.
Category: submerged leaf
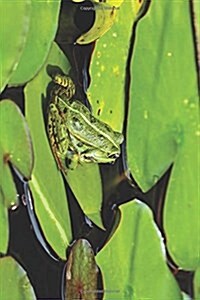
81,272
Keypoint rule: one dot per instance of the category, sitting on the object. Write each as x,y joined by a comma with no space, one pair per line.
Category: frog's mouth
88,157
113,156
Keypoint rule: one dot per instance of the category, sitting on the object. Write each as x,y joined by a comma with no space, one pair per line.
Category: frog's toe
71,161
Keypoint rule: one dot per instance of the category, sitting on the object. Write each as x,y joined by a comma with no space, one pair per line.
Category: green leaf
16,148
15,18
14,283
15,138
182,204
85,182
81,272
197,284
133,263
4,225
108,69
163,85
47,186
39,40
8,189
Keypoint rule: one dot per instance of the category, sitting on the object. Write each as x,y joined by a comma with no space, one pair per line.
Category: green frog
75,135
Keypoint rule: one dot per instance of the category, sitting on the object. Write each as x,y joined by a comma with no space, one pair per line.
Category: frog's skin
76,136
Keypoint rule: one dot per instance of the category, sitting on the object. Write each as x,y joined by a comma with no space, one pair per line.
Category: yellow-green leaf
47,185
40,36
15,138
85,182
14,283
133,263
14,26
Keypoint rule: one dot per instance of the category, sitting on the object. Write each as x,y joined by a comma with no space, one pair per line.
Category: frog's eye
80,144
101,137
65,110
93,120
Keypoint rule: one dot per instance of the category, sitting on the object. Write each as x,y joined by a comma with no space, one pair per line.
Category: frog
76,135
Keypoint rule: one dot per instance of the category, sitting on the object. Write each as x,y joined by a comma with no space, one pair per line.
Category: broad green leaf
197,284
39,39
47,186
108,69
133,263
14,283
81,272
4,226
85,182
163,83
14,26
15,138
16,148
182,204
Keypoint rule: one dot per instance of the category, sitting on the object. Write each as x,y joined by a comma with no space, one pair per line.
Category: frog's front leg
72,160
58,136
64,86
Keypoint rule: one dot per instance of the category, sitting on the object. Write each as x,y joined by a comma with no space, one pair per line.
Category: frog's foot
64,86
71,160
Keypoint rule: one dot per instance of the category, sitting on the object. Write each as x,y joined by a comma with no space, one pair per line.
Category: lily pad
109,66
136,251
14,283
162,82
47,185
15,138
15,148
15,20
182,204
39,39
85,182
